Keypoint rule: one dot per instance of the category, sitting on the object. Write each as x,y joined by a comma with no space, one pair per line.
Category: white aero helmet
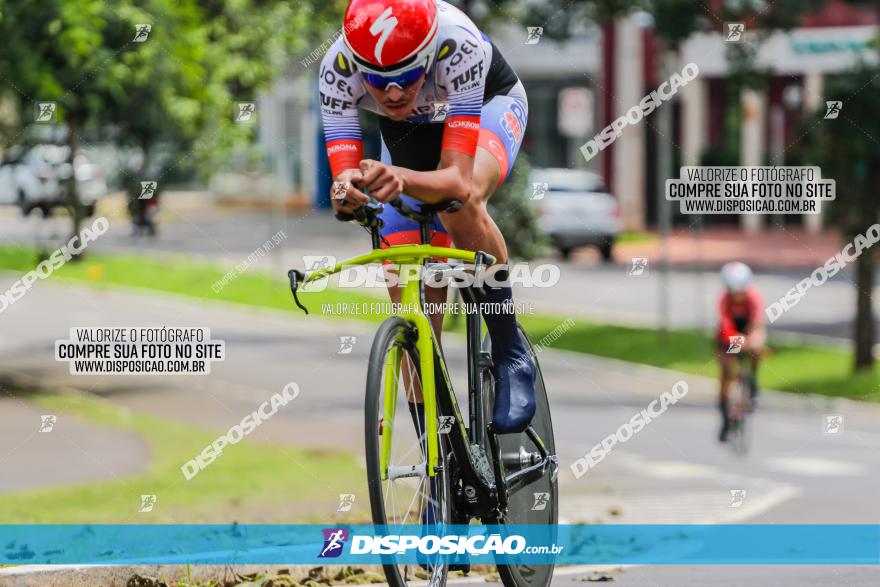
736,276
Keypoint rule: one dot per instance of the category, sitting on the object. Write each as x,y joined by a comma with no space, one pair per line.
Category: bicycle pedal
554,468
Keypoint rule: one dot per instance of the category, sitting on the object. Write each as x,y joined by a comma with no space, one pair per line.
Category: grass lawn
635,237
802,369
248,477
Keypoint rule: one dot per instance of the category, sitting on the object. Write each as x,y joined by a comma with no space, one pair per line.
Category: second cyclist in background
740,330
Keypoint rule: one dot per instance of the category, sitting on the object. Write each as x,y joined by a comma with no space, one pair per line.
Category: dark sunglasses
402,80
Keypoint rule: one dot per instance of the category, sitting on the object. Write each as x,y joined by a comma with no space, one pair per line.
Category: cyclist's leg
502,127
433,295
757,339
503,122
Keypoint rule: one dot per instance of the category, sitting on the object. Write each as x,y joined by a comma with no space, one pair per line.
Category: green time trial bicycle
426,464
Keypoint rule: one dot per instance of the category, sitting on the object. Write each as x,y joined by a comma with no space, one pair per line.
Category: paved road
586,287
672,472
35,455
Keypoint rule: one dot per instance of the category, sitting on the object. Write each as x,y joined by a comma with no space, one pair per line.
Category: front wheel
738,413
401,492
538,502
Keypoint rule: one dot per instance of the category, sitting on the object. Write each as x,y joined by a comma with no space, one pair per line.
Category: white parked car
35,178
575,210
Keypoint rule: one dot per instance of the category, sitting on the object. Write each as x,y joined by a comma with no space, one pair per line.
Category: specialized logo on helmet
383,26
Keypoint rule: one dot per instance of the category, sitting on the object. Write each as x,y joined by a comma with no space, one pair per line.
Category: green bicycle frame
409,258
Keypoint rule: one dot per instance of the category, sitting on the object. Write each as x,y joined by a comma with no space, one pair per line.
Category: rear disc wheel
538,502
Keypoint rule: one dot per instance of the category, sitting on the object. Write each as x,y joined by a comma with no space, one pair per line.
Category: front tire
738,435
398,498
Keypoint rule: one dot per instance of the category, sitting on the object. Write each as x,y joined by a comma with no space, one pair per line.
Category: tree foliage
181,83
847,149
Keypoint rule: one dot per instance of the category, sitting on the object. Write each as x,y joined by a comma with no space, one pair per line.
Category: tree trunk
863,333
76,210
609,43
864,326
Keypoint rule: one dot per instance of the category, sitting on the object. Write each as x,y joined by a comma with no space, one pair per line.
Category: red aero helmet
387,36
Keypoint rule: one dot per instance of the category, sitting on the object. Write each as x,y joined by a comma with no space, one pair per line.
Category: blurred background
143,104
193,126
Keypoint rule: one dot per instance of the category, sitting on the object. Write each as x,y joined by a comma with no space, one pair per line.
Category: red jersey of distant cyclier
737,316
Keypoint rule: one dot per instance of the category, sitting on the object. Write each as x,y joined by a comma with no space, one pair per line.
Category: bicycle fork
411,304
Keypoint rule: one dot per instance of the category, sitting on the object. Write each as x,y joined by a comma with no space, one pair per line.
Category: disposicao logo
334,541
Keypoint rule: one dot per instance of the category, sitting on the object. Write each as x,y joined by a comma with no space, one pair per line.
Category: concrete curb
116,576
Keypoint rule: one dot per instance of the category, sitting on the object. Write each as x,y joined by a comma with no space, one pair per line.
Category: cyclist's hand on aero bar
349,180
385,182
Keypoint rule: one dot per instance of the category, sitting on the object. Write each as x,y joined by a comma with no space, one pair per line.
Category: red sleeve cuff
344,154
461,133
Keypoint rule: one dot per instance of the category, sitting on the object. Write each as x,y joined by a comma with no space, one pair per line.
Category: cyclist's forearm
452,181
434,186
757,337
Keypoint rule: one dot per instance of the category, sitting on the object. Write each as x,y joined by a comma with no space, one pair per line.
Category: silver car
575,210
34,178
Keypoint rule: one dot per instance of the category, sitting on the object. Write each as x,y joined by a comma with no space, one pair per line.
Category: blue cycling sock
514,368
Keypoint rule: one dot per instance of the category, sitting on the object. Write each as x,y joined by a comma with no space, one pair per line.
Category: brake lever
295,275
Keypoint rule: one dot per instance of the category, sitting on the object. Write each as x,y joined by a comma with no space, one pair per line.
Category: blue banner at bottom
369,544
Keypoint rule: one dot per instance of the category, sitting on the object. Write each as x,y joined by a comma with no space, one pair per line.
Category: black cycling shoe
514,394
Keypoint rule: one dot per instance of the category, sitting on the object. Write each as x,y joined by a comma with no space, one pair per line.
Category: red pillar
608,53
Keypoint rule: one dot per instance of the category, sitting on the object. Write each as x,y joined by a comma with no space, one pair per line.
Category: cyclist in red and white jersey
452,115
740,325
